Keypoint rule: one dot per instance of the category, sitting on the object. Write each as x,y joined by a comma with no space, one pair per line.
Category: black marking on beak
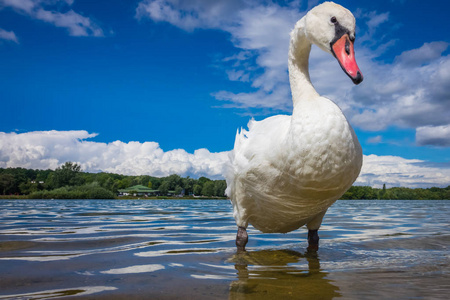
347,47
339,31
358,79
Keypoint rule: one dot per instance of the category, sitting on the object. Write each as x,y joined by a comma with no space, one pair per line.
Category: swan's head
332,28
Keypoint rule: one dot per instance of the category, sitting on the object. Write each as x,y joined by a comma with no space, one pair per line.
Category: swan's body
285,171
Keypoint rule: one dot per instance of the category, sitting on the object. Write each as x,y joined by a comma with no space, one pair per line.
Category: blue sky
178,76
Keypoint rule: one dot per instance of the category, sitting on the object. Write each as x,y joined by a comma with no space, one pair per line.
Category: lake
184,249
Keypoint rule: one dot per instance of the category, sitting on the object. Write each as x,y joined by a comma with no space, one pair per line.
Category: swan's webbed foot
241,239
313,240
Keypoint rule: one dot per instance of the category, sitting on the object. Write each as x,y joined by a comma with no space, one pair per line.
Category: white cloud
260,30
76,24
190,15
426,54
8,35
50,149
50,11
398,171
263,31
410,92
372,20
375,140
433,135
376,19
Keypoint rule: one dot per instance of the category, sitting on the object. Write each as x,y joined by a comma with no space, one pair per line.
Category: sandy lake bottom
184,249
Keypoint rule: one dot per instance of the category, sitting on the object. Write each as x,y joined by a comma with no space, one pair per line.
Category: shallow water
184,249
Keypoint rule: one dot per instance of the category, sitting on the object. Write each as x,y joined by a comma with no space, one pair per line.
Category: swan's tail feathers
241,136
237,163
229,174
237,140
234,164
251,123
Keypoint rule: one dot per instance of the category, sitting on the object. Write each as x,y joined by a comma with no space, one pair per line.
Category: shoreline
25,197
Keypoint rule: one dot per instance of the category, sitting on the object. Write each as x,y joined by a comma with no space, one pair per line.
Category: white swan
285,171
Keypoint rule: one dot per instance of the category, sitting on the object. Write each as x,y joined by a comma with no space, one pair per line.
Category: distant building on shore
138,190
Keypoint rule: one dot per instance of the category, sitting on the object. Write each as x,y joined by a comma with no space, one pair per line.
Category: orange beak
344,52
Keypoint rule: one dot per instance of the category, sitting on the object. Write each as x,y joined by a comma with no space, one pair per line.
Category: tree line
396,193
69,181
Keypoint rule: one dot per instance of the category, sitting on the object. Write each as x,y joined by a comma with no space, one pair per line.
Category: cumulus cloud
410,92
50,149
8,35
433,135
428,53
260,32
55,12
398,171
190,15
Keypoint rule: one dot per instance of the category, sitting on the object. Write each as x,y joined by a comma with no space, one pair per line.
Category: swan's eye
333,20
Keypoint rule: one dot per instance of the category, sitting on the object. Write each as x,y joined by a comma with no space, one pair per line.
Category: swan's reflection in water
280,274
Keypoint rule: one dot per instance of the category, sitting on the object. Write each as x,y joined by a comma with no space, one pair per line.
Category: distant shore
26,197
69,182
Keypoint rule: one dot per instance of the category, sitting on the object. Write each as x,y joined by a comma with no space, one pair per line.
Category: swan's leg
241,238
313,228
313,240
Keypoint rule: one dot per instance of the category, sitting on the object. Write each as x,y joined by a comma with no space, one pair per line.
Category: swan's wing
262,137
254,147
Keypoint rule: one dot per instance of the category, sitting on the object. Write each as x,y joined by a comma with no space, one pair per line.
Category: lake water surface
184,249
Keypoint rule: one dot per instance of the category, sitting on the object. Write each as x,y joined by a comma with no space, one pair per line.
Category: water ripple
50,249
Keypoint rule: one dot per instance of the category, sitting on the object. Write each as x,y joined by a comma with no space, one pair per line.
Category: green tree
188,185
178,190
135,180
156,182
164,188
197,189
109,184
382,193
173,180
202,180
30,187
208,189
219,188
42,175
101,178
68,174
144,180
7,182
122,183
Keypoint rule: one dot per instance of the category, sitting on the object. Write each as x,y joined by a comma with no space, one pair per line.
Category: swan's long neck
299,49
